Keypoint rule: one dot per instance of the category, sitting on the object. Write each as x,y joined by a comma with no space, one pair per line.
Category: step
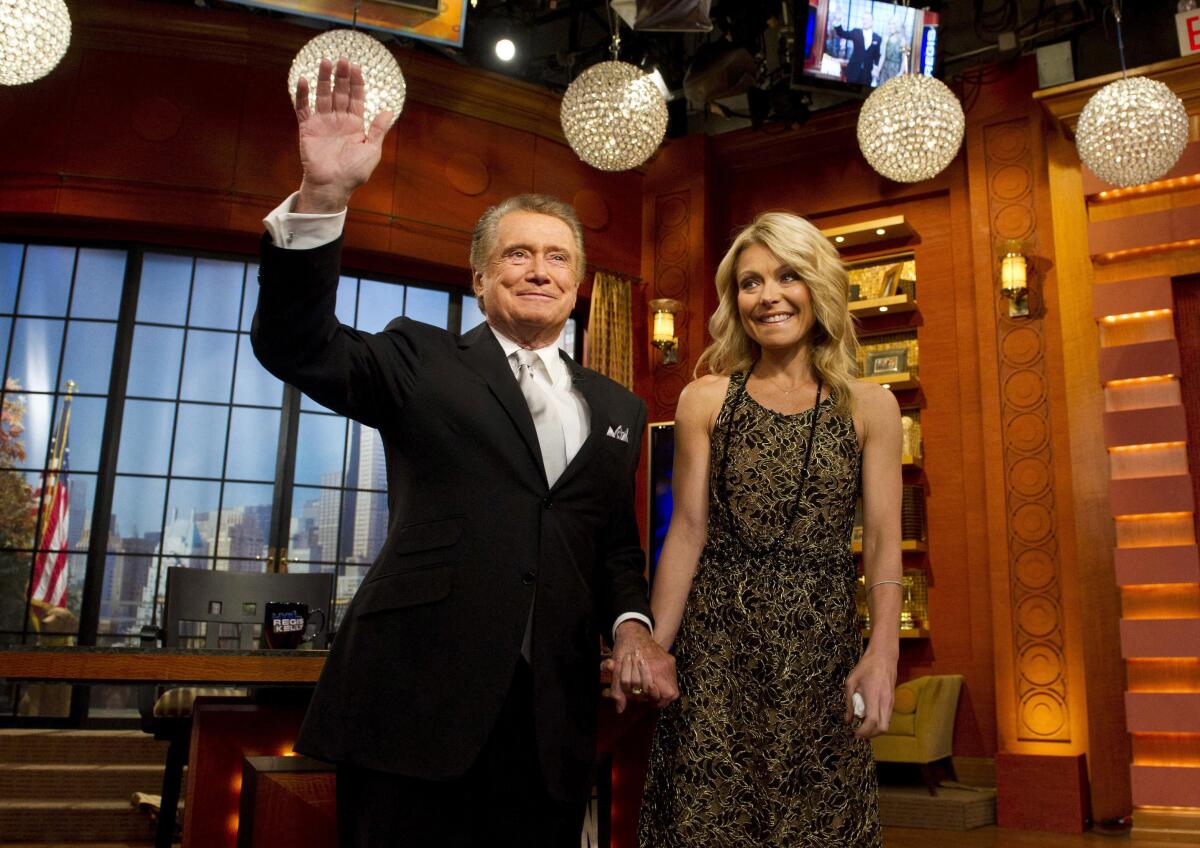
79,821
112,747
77,781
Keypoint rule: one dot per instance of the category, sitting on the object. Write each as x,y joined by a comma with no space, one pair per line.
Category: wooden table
161,665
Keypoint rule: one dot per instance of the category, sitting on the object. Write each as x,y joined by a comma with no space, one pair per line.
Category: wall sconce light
1014,278
662,336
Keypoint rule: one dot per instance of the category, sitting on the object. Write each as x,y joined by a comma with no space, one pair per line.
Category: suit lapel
584,382
483,354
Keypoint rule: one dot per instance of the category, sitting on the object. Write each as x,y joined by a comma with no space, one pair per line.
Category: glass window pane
216,294
245,521
46,280
36,345
88,357
370,524
253,383
5,331
253,444
154,363
471,315
347,300
127,599
99,278
84,435
11,257
35,414
432,307
250,296
315,521
15,569
163,293
208,367
378,304
191,522
137,514
146,437
199,440
319,448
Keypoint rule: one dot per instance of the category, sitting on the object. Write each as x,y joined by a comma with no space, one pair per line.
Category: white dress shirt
304,231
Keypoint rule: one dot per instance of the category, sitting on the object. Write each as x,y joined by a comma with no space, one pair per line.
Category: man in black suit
459,699
866,45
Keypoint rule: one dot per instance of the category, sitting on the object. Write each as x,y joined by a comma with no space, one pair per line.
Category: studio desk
249,740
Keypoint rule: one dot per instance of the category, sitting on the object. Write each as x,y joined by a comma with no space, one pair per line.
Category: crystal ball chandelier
385,86
1132,131
34,35
614,116
910,128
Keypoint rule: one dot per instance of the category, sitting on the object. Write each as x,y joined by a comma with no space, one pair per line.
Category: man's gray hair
483,240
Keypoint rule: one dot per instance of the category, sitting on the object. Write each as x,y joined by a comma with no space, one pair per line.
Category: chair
214,610
922,728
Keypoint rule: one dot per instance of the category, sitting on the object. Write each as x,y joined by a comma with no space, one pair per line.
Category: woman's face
773,302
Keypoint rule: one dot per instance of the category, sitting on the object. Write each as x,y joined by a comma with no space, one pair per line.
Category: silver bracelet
881,582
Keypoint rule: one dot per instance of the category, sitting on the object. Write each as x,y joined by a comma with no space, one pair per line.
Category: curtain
610,328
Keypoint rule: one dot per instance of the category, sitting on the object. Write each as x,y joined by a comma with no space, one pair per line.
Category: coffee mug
286,622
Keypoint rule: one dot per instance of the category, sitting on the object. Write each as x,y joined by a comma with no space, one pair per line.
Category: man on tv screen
863,65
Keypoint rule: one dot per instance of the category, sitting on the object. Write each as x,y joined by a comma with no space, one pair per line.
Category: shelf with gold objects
913,463
907,546
876,306
905,632
900,382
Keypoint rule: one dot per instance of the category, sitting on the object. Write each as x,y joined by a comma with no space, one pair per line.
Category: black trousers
501,800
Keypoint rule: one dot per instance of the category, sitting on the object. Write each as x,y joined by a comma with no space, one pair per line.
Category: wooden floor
994,837
893,837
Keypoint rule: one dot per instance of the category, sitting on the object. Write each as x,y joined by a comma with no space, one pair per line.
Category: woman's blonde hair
807,252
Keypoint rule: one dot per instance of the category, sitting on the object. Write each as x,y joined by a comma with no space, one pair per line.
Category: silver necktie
546,419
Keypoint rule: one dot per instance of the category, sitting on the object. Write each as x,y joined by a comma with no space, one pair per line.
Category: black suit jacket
428,647
863,57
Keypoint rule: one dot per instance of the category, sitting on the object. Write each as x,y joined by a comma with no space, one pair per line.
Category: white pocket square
621,433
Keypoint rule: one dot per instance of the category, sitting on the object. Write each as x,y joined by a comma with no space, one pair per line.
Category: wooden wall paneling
1108,746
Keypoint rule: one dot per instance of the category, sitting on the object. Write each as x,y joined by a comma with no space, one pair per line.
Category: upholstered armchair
922,728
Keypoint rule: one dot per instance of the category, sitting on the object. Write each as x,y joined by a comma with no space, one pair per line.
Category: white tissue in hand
860,706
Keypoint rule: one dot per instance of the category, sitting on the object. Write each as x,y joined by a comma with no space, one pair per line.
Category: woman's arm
875,675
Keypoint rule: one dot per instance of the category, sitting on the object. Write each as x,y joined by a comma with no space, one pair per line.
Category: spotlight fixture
505,49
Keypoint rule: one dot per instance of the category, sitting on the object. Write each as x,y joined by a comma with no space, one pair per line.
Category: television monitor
662,457
857,45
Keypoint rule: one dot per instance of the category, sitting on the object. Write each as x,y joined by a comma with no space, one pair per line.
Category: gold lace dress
755,751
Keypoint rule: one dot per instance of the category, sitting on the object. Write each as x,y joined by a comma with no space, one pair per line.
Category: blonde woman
756,581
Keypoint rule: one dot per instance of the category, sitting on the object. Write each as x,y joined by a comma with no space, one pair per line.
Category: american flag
50,564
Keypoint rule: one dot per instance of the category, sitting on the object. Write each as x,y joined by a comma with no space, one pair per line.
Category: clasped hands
642,671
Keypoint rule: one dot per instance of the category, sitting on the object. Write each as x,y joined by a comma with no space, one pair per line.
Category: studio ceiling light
1134,130
911,128
613,114
34,35
385,87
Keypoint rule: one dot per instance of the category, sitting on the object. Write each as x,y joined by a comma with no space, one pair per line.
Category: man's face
867,20
531,280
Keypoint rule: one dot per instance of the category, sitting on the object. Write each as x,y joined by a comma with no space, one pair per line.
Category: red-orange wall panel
1152,566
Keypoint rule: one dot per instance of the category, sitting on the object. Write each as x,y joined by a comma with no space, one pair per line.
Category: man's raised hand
336,156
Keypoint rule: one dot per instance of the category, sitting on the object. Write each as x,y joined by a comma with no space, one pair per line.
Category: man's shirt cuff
302,231
636,616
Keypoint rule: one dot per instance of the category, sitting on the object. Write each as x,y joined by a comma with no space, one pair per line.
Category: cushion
906,699
903,724
176,703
